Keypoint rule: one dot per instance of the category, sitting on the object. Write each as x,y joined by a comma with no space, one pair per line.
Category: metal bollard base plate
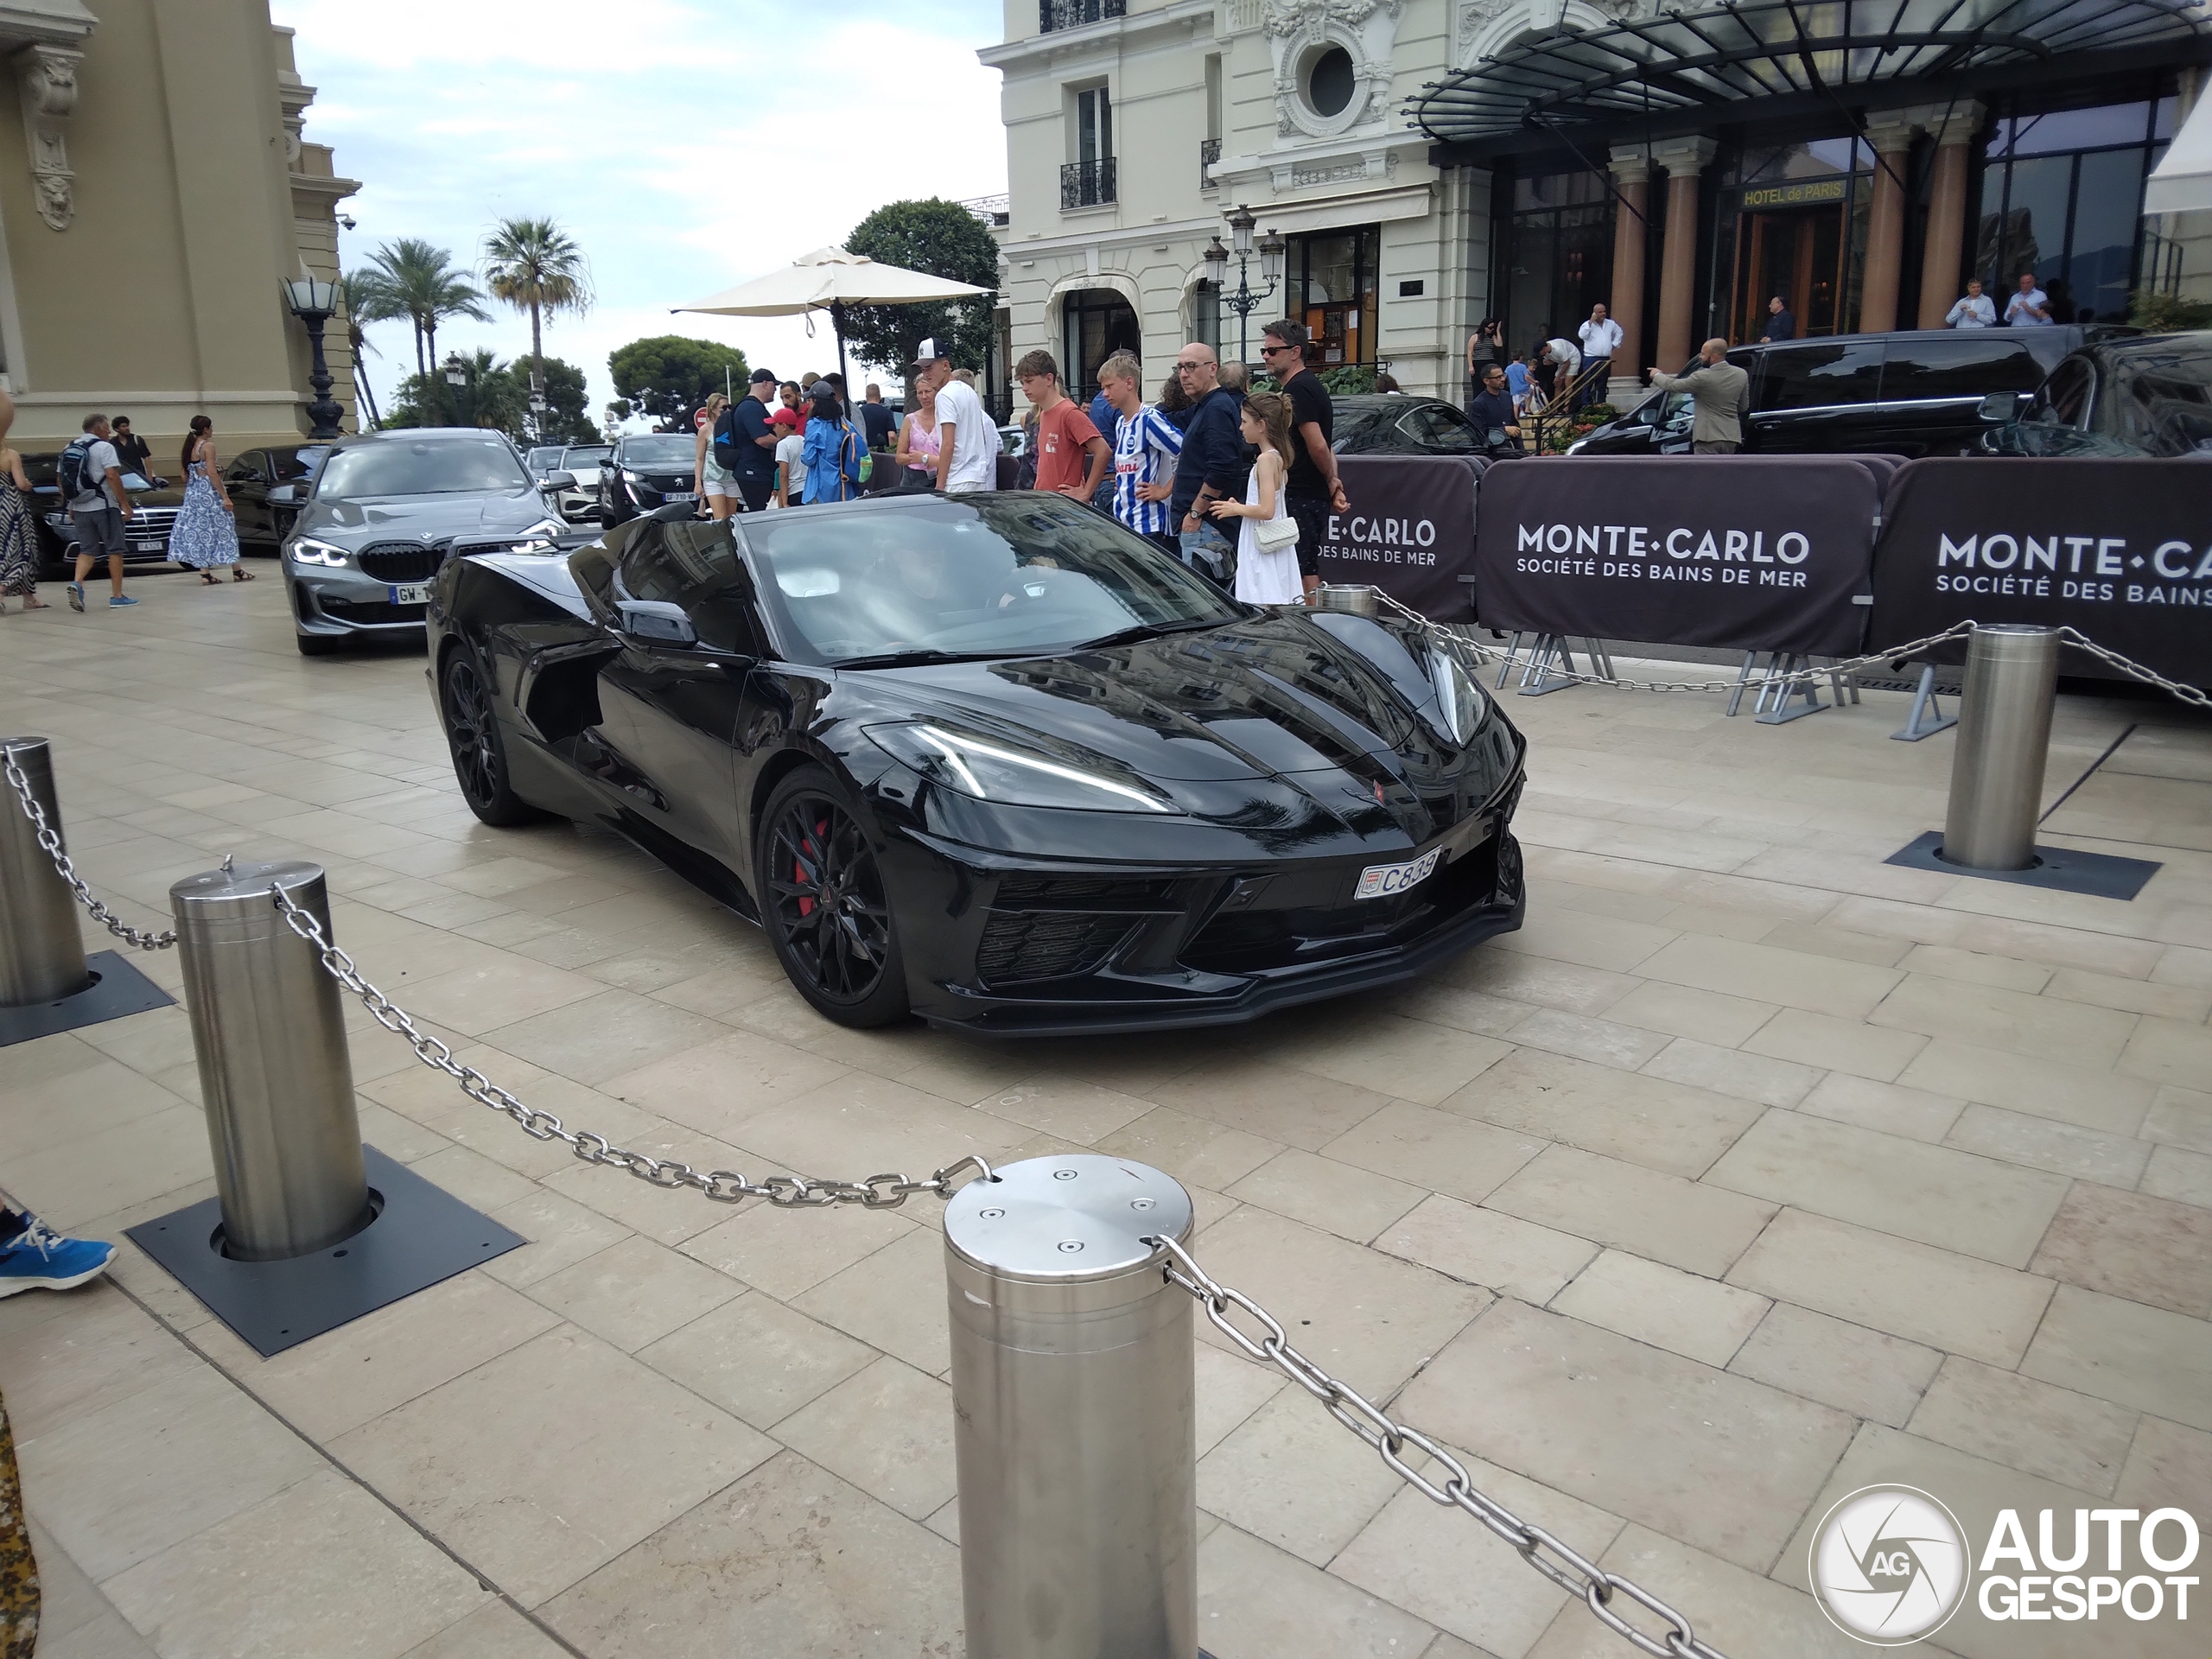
117,989
423,1235
2062,869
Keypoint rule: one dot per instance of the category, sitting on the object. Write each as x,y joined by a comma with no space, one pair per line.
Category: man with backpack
745,442
91,477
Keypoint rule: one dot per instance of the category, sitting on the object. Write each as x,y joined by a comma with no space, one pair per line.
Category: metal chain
2188,694
1572,1572
1464,645
885,1191
50,839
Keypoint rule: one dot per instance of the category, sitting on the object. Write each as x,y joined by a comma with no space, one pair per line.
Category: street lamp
1246,299
313,302
456,377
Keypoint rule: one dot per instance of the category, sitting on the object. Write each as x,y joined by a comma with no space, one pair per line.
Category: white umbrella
829,279
2183,179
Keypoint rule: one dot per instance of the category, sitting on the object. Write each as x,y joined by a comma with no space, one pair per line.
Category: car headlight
308,550
1465,706
991,770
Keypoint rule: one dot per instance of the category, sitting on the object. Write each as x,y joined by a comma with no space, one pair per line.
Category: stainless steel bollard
1073,1399
2003,741
41,954
274,1073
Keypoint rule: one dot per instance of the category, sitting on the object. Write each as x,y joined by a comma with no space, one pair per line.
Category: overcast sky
687,145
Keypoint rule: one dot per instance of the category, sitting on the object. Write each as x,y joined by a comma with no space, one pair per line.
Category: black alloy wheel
823,901
479,758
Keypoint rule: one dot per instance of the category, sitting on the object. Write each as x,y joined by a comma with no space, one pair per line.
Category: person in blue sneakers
33,1256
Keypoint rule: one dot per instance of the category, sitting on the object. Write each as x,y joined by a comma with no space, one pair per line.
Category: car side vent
1024,946
1084,893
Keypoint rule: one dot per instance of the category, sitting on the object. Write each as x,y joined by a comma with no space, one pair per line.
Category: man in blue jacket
1213,465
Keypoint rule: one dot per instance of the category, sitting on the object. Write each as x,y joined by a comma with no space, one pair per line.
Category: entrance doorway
1095,323
1798,253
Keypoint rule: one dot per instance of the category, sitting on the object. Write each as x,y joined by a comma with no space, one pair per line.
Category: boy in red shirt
1072,459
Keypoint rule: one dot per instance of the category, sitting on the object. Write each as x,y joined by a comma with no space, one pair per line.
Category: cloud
687,145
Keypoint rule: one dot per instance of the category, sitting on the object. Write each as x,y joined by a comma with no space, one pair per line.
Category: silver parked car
585,462
388,508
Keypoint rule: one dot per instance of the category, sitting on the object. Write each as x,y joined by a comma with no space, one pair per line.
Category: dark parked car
1378,423
386,509
1917,392
145,538
647,470
2149,396
991,758
267,487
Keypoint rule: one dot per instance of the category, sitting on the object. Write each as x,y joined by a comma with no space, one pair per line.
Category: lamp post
313,302
1246,300
456,377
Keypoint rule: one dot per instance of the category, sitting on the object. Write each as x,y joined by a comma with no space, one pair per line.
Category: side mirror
284,495
2000,407
558,481
658,620
252,475
1495,437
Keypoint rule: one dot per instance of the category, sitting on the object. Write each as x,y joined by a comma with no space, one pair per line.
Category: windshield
544,459
662,450
985,575
425,467
584,460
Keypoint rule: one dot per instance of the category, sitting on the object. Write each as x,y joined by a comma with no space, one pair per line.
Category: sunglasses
1275,351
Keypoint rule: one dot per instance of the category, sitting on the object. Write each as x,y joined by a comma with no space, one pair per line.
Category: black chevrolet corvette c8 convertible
991,758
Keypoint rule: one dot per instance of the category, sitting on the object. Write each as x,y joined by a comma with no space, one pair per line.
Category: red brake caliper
798,870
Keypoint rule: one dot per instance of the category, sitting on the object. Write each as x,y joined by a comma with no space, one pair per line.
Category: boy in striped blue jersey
1145,443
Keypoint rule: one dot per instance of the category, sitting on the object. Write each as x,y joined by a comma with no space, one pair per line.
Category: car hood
1278,696
423,517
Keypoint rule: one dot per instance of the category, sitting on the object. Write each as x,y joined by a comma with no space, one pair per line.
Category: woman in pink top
917,440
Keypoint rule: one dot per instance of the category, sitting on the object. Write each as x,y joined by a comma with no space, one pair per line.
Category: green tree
534,266
566,420
410,279
668,376
940,238
492,394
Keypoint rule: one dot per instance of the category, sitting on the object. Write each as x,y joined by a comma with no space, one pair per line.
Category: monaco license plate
1382,880
148,547
413,592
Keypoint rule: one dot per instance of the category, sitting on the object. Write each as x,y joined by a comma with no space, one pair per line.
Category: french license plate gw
413,592
1382,880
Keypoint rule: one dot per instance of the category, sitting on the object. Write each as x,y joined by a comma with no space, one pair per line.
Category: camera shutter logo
1889,1565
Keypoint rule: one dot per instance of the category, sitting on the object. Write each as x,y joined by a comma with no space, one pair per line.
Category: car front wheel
822,899
480,754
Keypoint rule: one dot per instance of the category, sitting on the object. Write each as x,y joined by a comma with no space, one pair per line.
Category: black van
1914,392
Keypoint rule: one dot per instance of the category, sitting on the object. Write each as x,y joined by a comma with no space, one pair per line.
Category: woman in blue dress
207,533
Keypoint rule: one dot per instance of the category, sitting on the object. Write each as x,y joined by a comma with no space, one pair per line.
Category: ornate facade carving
46,80
1301,30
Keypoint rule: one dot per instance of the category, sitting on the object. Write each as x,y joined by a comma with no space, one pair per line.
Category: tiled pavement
1752,1171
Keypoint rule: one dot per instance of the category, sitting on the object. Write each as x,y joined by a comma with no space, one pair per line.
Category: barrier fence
1073,1362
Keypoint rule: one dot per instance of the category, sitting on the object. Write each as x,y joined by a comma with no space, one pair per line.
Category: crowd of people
1206,458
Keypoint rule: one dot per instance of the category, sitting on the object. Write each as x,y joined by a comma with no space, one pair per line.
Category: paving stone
888,1430
2041,1143
1648,1121
1254,1598
756,1359
2122,1352
1951,1199
1484,1247
1889,1107
1915,1291
2148,1250
1847,1366
1708,1016
1699,1454
1422,1147
1291,1475
1689,1225
634,1291
1698,1317
1827,1043
1322,1193
2168,1465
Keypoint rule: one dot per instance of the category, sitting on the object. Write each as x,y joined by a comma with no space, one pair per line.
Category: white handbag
1273,534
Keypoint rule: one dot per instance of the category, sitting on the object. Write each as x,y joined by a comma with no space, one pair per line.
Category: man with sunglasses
1313,488
1213,464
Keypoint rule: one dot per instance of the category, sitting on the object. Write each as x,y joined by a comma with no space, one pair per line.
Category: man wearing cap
967,439
744,426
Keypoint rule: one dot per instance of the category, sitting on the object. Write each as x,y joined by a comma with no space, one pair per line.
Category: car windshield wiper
1146,631
915,658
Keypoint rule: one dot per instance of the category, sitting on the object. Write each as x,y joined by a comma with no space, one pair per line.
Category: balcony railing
1074,14
1087,184
1209,153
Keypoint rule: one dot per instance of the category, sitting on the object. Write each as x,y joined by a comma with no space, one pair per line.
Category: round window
1329,82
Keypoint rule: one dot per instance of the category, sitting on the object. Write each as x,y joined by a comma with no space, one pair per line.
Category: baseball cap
758,375
929,352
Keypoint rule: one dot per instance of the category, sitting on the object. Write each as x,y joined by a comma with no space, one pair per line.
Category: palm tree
534,266
412,279
363,302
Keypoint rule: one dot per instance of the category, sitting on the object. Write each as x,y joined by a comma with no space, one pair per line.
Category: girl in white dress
1265,576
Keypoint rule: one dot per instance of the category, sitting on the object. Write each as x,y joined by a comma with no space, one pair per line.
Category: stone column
1632,177
1940,283
1877,300
1684,161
